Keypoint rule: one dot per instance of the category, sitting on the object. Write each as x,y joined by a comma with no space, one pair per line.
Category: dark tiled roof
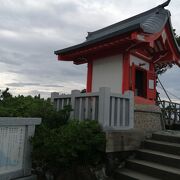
151,21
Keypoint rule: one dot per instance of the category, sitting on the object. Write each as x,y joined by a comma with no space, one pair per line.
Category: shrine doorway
140,82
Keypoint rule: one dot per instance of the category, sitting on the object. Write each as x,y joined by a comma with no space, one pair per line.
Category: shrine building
124,56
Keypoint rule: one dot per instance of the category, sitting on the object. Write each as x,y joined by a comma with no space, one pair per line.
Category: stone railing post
130,94
74,93
104,106
53,96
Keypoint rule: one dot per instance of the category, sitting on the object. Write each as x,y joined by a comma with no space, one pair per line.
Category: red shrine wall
122,73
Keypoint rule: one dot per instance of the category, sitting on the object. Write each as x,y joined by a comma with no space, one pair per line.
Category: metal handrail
170,112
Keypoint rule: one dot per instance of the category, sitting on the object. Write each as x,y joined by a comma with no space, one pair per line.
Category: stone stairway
159,158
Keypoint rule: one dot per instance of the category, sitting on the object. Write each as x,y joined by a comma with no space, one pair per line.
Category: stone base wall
127,140
147,119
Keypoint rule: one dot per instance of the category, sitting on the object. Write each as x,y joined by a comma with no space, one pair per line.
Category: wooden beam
89,76
126,70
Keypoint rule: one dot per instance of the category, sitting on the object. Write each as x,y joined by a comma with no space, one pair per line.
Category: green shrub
71,145
21,106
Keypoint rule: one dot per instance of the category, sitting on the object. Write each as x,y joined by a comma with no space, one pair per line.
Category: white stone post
53,96
104,106
130,94
74,94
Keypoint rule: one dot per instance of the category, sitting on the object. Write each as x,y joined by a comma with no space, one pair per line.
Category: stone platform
147,120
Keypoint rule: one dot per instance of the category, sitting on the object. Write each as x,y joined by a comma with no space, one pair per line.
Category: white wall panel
107,72
137,61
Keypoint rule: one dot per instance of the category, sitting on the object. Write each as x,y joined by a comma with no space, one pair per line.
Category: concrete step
128,174
159,157
154,169
162,146
167,136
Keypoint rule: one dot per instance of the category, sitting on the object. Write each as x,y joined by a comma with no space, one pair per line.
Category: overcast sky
30,31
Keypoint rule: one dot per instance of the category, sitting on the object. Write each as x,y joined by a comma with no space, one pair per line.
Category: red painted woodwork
133,69
111,43
126,72
141,100
142,56
89,76
108,52
150,38
171,44
151,93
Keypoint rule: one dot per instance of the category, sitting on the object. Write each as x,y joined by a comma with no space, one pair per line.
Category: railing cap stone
15,121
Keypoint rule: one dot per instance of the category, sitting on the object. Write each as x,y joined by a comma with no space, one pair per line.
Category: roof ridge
165,3
161,6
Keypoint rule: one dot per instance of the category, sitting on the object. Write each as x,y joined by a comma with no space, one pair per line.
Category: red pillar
89,76
126,72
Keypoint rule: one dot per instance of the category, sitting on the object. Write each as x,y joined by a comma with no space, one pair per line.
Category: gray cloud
20,84
31,30
51,85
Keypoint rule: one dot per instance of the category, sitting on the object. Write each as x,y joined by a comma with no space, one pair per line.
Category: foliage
76,143
177,37
178,40
29,106
163,68
59,144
